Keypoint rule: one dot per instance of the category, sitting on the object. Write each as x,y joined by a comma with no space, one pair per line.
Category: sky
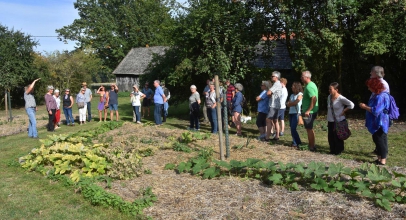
40,18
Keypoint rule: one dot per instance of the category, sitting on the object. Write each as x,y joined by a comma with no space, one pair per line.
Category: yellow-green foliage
70,156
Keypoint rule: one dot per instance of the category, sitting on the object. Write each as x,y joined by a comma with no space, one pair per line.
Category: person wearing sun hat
88,101
57,118
51,108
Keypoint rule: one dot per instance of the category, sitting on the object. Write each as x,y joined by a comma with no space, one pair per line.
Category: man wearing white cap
57,118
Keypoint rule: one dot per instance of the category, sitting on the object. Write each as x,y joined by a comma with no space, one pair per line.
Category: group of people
53,101
303,104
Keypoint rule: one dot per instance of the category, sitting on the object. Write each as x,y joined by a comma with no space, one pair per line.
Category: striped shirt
29,100
230,90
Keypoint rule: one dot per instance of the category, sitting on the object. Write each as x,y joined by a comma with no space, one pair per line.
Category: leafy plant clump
369,181
76,155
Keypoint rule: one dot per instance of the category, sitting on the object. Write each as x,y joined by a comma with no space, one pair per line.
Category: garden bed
184,196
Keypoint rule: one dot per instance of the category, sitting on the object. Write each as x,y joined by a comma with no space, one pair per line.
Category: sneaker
138,122
280,133
197,129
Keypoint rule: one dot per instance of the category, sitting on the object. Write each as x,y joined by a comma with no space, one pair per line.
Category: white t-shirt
284,97
297,108
136,98
275,99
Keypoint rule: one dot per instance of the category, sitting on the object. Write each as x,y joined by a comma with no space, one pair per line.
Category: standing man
205,91
51,108
310,107
31,109
88,101
159,100
274,94
146,102
166,104
229,95
113,101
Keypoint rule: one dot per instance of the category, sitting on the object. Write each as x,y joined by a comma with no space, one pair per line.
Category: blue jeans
157,113
212,115
68,116
89,111
32,127
293,120
194,121
137,113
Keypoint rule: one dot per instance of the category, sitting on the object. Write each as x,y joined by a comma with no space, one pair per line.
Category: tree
70,69
113,27
16,60
212,37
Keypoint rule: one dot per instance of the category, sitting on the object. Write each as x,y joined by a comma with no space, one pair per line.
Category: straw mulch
183,196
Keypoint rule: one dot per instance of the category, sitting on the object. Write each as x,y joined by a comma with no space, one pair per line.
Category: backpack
243,101
393,110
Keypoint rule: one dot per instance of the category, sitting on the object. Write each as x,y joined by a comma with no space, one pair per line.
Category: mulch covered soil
184,196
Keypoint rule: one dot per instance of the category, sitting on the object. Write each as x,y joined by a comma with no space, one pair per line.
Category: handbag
81,105
341,127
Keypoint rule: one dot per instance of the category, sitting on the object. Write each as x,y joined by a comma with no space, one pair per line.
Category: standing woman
57,118
67,103
337,105
194,106
295,103
237,108
136,97
211,108
80,101
51,108
377,118
263,109
102,106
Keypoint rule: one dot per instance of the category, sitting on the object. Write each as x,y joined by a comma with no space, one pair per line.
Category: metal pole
218,105
9,105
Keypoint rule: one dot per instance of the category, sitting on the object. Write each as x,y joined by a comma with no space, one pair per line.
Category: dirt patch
19,124
183,196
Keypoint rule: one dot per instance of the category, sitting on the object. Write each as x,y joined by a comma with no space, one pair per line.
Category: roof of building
280,59
137,60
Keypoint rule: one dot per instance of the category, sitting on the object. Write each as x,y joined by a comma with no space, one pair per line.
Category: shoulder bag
341,127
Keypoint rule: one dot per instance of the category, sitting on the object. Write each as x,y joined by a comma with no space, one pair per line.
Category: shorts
308,121
261,120
273,113
146,102
281,114
113,107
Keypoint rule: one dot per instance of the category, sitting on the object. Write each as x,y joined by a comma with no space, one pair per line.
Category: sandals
377,162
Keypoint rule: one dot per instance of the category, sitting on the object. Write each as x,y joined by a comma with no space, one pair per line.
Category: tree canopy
16,60
113,27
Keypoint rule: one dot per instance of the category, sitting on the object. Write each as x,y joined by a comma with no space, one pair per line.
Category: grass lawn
29,195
